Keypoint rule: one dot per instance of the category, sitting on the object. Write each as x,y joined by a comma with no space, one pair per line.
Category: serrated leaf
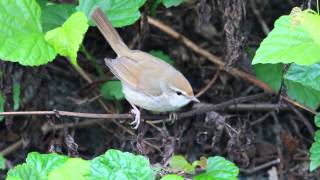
16,95
161,55
67,39
54,15
301,83
180,163
170,3
305,75
21,36
37,166
2,162
219,168
270,74
120,12
74,168
2,101
315,152
171,177
317,120
285,44
115,165
112,90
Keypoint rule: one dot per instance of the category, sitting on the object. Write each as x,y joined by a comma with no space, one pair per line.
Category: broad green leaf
317,120
21,36
171,177
170,3
67,38
115,165
306,75
180,163
270,74
42,3
2,162
159,54
74,168
37,166
311,22
220,169
287,44
112,90
54,15
303,94
16,95
120,12
315,152
2,103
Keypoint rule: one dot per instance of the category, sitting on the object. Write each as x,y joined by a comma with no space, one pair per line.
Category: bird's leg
136,113
173,117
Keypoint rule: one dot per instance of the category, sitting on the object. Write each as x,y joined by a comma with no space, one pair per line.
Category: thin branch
211,82
216,60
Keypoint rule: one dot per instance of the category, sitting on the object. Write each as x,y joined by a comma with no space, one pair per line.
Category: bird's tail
110,34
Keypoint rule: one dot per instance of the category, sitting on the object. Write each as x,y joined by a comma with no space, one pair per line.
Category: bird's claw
136,121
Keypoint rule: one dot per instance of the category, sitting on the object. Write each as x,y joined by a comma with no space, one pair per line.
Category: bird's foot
173,117
137,116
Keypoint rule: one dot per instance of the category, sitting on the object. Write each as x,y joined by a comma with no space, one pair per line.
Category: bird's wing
136,74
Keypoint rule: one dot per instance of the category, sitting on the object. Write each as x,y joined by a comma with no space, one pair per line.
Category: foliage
171,177
111,165
2,162
21,38
219,168
295,39
2,103
67,38
120,12
179,163
112,90
290,43
160,54
54,15
170,3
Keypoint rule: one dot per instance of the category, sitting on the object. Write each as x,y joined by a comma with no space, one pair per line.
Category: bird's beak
194,99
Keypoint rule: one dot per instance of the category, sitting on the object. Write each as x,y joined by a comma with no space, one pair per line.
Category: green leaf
37,166
161,55
287,44
112,90
306,75
74,168
180,163
301,83
2,162
115,165
270,74
2,103
220,169
67,38
315,152
42,3
54,15
21,36
120,12
317,120
170,3
171,177
16,95
311,22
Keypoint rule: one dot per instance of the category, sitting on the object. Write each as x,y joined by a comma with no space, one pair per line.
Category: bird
147,81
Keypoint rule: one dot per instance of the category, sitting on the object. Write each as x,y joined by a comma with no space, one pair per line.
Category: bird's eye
179,93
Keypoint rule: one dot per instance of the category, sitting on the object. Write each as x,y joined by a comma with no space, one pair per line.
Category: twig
258,168
11,148
256,12
200,110
211,82
216,60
